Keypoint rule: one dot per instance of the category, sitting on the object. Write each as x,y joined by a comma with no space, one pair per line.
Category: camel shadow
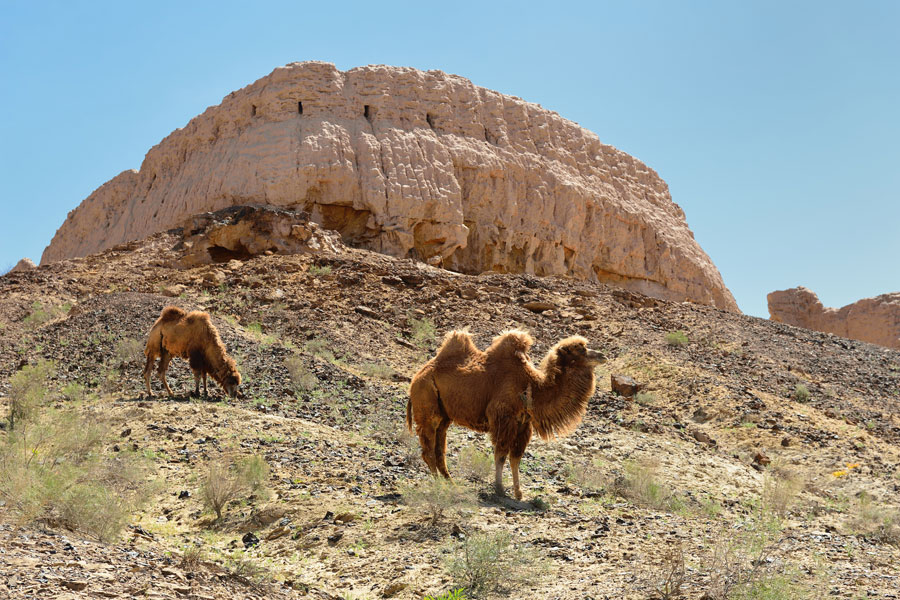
488,499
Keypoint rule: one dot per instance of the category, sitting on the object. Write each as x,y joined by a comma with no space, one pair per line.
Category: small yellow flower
840,473
851,466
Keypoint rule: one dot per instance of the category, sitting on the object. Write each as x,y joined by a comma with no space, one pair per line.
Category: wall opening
430,120
300,108
252,110
367,113
220,254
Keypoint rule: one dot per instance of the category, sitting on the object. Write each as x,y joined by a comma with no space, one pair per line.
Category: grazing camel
500,392
191,336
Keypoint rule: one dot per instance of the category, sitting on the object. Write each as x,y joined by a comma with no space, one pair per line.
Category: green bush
676,338
229,479
28,390
422,332
801,393
53,467
491,562
437,496
458,594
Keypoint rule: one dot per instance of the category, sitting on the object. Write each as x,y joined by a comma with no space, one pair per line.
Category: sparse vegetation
457,594
676,338
422,332
376,370
486,562
317,271
437,497
302,379
801,393
874,521
129,351
41,314
781,484
28,391
475,465
667,579
228,479
53,468
640,484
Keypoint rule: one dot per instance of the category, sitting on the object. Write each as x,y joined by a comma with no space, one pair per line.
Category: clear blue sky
776,124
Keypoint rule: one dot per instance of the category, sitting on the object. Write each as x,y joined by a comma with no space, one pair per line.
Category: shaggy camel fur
191,336
500,392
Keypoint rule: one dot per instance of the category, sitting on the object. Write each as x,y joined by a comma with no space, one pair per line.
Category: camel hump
196,317
457,342
171,313
512,342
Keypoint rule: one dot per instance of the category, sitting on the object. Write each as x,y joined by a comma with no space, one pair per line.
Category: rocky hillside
874,320
413,164
755,453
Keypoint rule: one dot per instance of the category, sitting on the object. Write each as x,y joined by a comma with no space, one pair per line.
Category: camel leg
205,390
440,447
499,461
148,370
196,383
427,439
163,367
515,456
514,467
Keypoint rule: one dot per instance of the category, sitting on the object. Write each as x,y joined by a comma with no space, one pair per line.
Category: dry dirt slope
352,328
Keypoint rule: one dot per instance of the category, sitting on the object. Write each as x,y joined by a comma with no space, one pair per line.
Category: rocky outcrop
875,320
413,163
241,232
26,264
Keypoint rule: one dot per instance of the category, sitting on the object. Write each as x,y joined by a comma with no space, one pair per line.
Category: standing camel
500,392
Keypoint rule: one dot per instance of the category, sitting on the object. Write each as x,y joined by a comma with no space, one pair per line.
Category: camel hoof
518,495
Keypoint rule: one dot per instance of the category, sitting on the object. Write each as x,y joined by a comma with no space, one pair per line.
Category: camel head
574,351
232,379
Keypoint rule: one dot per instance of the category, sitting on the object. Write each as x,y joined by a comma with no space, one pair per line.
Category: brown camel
191,336
500,392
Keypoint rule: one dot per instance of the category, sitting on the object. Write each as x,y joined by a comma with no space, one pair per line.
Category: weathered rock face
413,163
26,264
241,232
875,320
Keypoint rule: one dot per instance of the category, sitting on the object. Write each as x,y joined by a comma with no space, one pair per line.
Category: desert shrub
457,594
437,497
317,271
72,391
676,338
743,564
53,468
801,393
228,479
475,465
129,351
246,569
41,314
668,578
781,485
302,379
586,475
192,558
319,348
377,370
492,562
28,390
422,332
874,521
640,484
645,398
